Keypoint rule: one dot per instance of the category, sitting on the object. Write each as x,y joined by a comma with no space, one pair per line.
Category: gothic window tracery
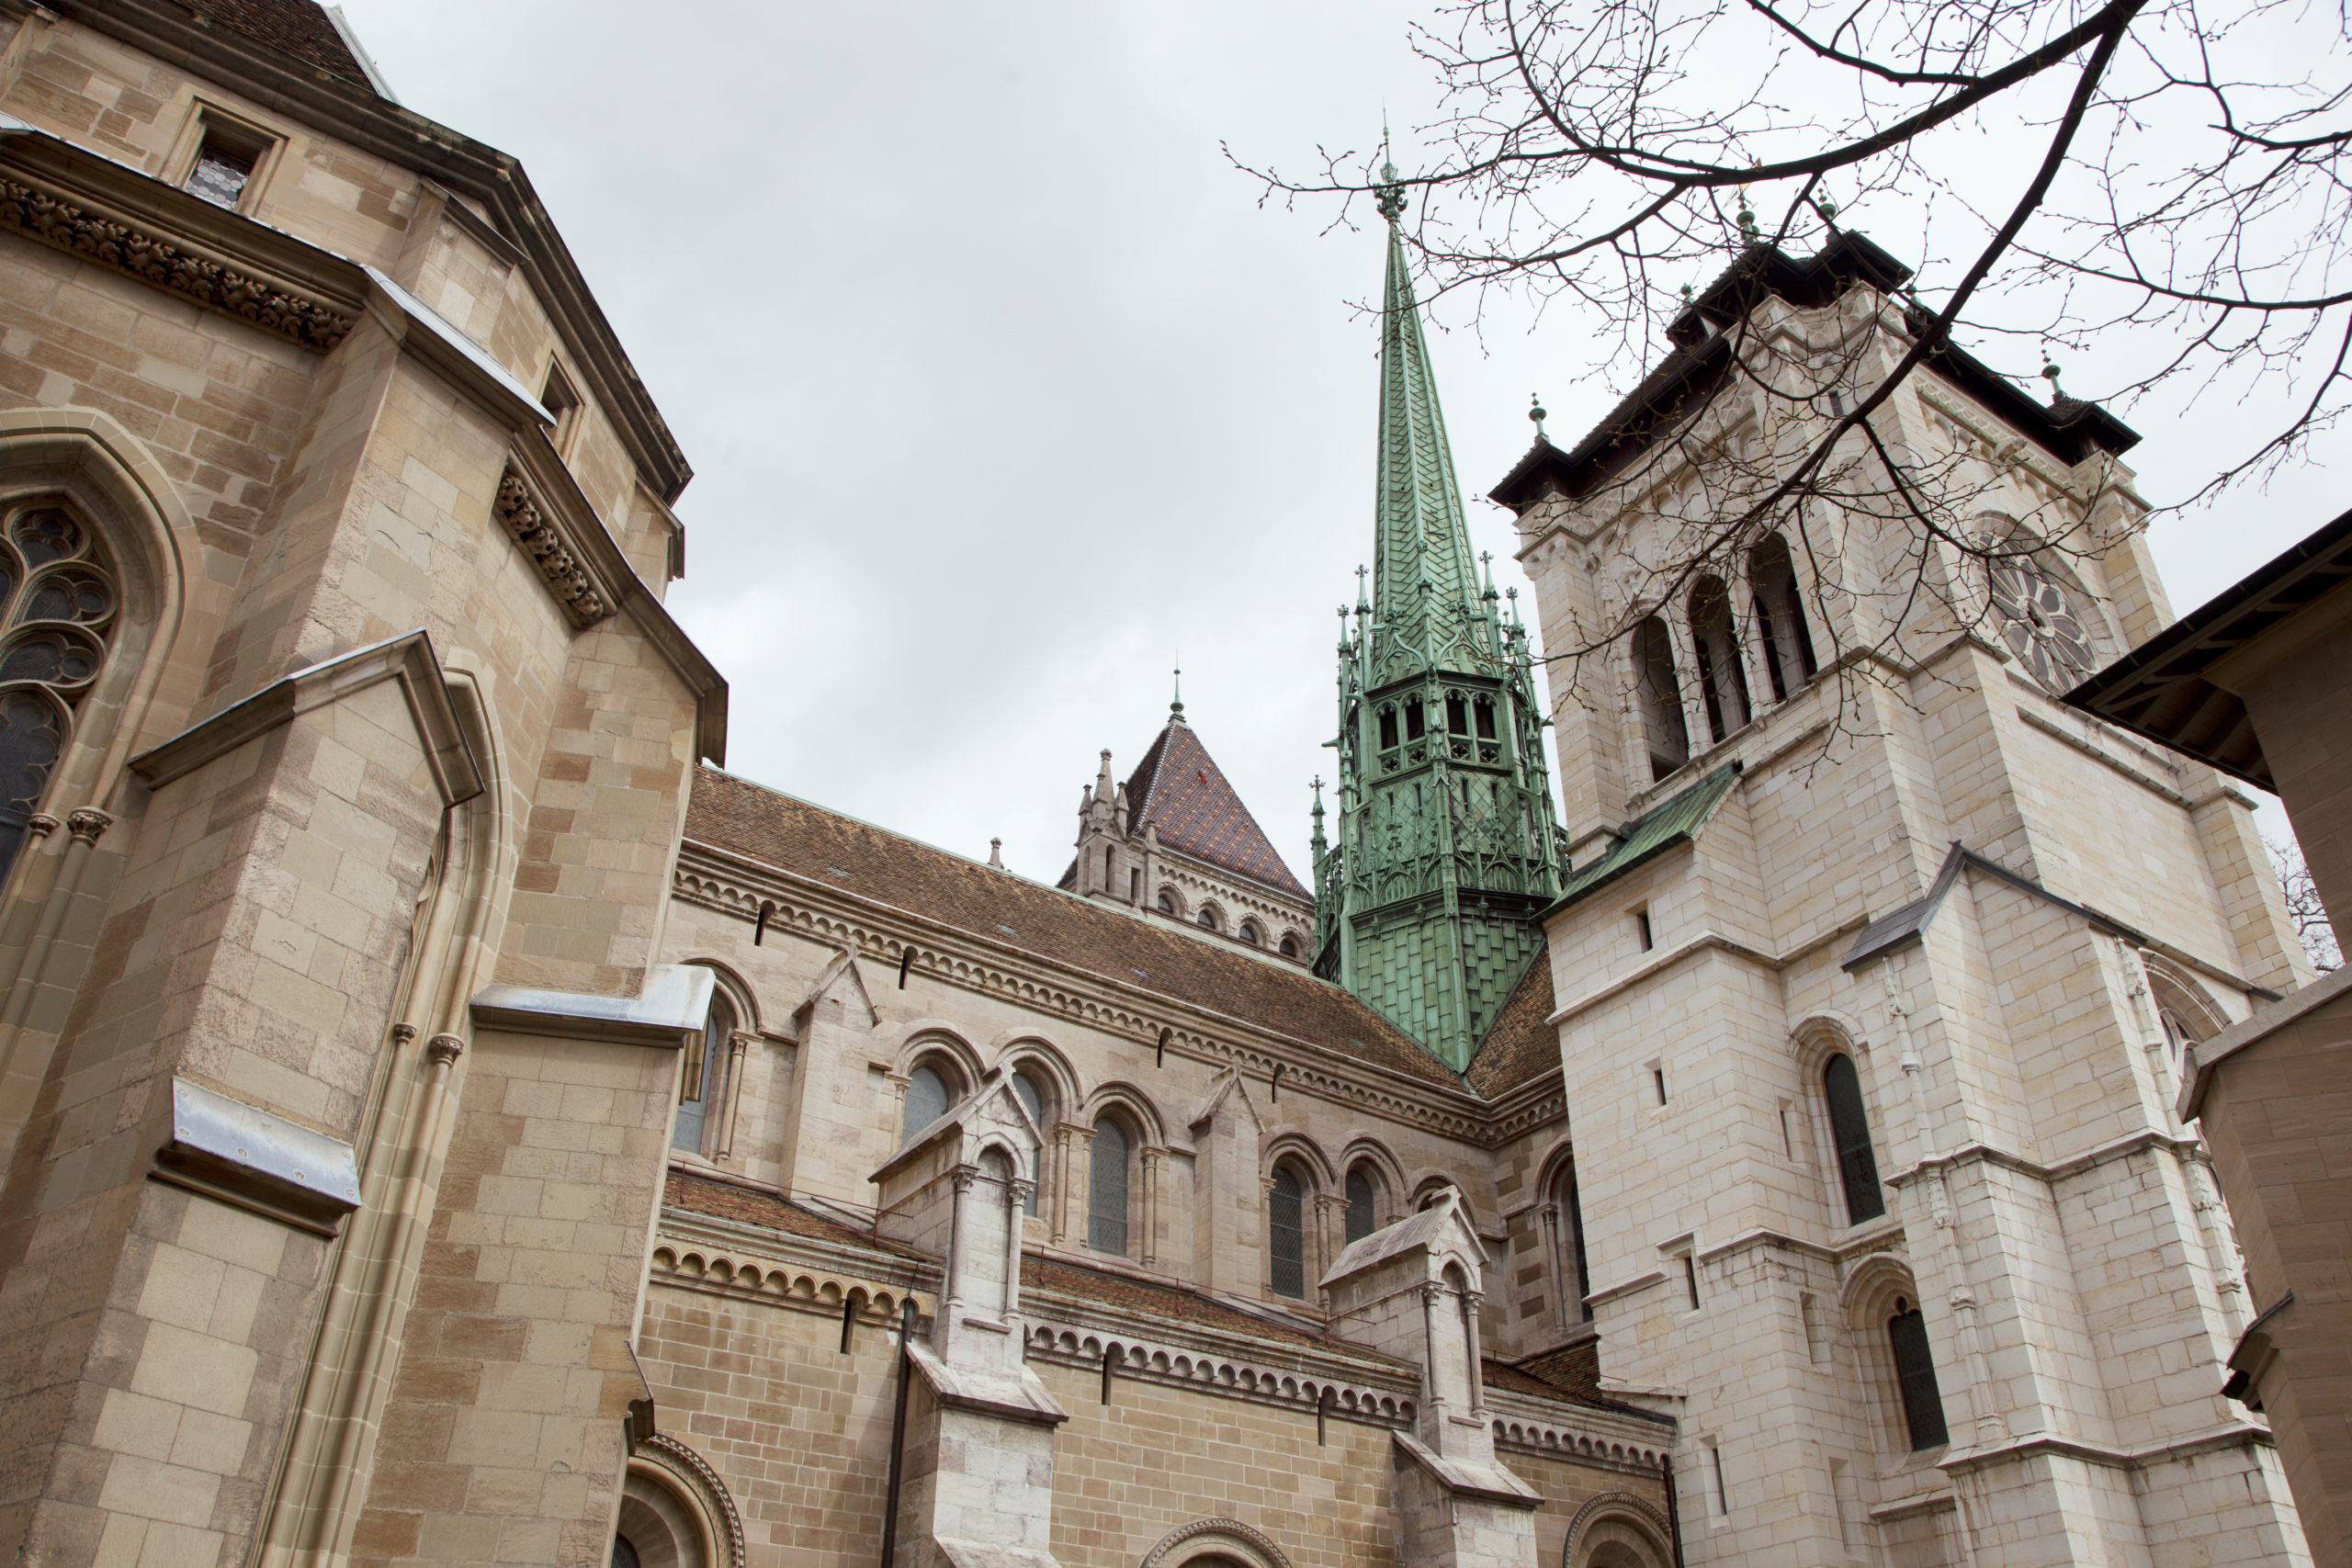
57,604
2040,621
1659,695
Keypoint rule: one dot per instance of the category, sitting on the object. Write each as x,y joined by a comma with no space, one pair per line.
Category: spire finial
996,853
1388,196
2049,374
1536,412
1362,604
1176,703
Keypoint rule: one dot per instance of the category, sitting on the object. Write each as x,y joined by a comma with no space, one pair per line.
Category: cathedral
446,1118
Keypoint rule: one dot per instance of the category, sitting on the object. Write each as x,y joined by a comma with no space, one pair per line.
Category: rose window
2038,622
59,603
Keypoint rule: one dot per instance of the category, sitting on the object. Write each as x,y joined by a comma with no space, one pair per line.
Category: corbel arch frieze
1554,1440
1147,1361
720,1271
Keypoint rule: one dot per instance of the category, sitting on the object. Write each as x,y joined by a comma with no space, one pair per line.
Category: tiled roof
1172,1304
296,28
744,819
1523,1043
1670,822
1179,787
723,1200
1570,1375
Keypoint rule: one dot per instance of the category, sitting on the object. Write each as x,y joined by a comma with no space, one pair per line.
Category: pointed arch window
1723,680
1779,617
1106,1189
926,1102
1034,1100
699,1075
1363,1217
1573,1273
1287,1234
1661,697
1850,1128
1914,1375
57,602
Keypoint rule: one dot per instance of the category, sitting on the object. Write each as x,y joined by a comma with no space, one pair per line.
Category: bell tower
1446,846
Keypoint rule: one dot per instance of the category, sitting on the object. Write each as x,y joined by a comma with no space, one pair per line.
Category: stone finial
996,853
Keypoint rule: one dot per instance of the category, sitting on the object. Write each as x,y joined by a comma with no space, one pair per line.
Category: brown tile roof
295,28
1519,1045
1179,788
723,1200
1569,1375
743,818
1173,1304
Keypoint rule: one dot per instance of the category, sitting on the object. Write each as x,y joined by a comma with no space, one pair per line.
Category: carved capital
443,1050
402,1033
964,1176
40,825
1432,1294
87,824
1022,1191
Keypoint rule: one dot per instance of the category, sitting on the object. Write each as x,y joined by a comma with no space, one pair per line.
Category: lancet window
1286,1232
1849,1129
1914,1375
927,1100
1106,1190
1577,1280
1037,1100
1779,617
1364,1198
698,1078
59,603
1660,697
1722,681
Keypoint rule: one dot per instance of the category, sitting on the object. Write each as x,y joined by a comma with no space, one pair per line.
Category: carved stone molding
136,253
1649,1518
567,576
1221,1532
676,1457
1554,1440
805,1288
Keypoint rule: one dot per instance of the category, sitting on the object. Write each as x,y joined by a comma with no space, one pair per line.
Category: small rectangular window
1690,1277
1413,727
1723,1492
560,400
227,155
220,176
1642,929
1657,1081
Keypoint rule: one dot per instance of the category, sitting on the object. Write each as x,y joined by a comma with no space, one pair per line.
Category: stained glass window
1850,1127
60,605
1106,1191
1286,1217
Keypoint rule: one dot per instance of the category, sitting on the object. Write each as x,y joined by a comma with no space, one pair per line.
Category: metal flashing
1674,820
668,1008
257,1160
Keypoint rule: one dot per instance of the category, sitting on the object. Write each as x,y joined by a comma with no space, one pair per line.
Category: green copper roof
1670,822
1425,595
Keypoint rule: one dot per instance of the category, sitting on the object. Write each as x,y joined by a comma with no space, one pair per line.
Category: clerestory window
1287,1234
1106,1190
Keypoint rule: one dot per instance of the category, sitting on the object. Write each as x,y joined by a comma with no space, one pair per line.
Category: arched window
1287,1234
1722,681
699,1075
1660,697
1290,946
927,1100
1208,917
1363,1200
57,603
1106,1190
1849,1129
1915,1375
1573,1273
1780,616
1034,1100
1167,902
1388,727
1251,934
1457,714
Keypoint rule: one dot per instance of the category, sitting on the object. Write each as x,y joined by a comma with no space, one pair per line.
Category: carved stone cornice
732,885
1600,1437
1061,1338
533,527
155,253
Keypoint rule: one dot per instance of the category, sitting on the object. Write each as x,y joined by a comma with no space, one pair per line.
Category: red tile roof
1179,788
724,1200
1169,1302
743,818
1569,1375
297,27
1520,1045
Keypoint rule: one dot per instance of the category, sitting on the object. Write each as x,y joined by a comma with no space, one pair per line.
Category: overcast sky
1001,388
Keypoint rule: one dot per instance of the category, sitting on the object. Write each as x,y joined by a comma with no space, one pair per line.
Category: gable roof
724,1200
300,30
1522,1044
740,818
1179,788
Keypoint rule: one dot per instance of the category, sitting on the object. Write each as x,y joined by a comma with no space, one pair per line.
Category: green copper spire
1446,846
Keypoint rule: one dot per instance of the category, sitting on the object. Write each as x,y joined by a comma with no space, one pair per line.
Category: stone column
1153,1160
738,1046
